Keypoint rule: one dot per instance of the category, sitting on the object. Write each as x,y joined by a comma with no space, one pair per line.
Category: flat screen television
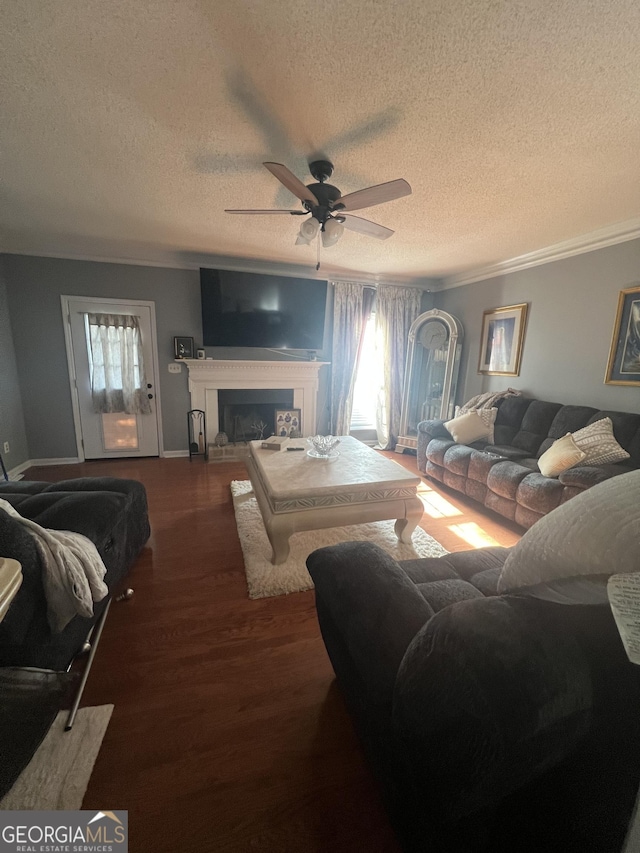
241,309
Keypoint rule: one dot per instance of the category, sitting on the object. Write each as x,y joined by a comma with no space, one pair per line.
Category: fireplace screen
250,415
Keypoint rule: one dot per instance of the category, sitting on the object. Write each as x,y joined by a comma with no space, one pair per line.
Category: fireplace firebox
249,414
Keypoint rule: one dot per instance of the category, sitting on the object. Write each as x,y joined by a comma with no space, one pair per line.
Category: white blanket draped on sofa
73,571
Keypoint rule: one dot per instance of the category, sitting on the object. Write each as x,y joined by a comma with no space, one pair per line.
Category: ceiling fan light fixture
308,231
331,233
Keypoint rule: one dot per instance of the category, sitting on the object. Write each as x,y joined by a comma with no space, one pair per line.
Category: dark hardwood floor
229,733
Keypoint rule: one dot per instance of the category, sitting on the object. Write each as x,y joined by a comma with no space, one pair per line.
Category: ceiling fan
328,206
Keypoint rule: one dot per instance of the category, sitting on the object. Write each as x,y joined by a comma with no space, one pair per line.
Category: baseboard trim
16,473
62,460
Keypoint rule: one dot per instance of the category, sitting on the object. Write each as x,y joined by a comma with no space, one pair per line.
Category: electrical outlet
175,368
6,447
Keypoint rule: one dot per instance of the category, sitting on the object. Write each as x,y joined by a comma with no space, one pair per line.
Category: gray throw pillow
595,533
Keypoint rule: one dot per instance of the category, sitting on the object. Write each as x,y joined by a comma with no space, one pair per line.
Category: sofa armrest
369,611
433,429
585,476
490,694
426,431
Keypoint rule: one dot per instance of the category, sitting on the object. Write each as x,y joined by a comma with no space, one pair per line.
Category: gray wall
12,425
572,309
34,286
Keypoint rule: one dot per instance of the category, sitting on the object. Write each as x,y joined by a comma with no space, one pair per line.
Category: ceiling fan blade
374,195
293,184
365,226
288,212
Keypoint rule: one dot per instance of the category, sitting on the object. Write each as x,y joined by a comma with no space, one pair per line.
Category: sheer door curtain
116,364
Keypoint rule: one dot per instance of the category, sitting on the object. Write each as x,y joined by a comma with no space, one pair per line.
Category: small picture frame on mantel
183,347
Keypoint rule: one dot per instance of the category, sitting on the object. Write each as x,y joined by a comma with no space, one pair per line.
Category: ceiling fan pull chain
318,254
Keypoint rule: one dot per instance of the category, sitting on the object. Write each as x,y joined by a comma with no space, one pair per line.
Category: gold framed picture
501,341
624,355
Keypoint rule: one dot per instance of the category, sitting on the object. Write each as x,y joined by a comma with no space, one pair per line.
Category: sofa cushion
535,426
457,457
567,419
507,451
487,581
440,594
564,453
539,493
598,443
472,426
427,569
437,448
595,533
480,463
505,477
626,429
509,418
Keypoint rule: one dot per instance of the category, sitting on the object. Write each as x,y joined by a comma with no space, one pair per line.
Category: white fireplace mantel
208,376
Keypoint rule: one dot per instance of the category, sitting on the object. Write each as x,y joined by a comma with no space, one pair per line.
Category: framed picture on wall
288,423
501,340
183,348
624,355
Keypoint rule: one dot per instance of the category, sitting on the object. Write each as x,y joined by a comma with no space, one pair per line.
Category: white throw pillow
564,453
599,444
473,426
595,533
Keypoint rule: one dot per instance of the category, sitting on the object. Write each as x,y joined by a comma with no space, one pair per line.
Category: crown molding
99,259
611,235
228,262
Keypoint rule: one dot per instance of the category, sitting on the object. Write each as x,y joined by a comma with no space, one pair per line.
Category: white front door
108,436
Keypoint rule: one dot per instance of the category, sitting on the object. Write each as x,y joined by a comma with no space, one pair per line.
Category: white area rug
265,580
58,774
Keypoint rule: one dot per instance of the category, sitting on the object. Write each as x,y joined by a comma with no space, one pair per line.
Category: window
369,379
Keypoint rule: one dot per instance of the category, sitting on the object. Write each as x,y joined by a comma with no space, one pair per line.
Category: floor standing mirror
431,377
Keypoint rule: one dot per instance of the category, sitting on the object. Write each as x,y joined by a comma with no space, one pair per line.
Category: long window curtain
116,364
396,309
352,304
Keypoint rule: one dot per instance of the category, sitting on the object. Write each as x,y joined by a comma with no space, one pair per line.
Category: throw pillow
595,533
472,426
563,454
599,444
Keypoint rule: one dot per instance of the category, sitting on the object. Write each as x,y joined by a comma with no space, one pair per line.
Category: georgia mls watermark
64,832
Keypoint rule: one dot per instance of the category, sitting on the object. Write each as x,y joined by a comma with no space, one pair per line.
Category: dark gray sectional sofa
504,476
111,512
495,723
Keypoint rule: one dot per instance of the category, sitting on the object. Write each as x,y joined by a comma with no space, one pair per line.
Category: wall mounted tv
241,309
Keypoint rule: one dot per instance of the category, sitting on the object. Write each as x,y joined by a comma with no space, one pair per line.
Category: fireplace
295,382
249,414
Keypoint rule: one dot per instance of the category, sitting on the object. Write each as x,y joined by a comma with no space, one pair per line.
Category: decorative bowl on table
323,446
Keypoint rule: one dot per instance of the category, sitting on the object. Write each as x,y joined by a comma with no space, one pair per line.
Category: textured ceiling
128,127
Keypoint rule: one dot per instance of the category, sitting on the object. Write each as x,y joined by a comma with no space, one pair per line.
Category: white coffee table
297,492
